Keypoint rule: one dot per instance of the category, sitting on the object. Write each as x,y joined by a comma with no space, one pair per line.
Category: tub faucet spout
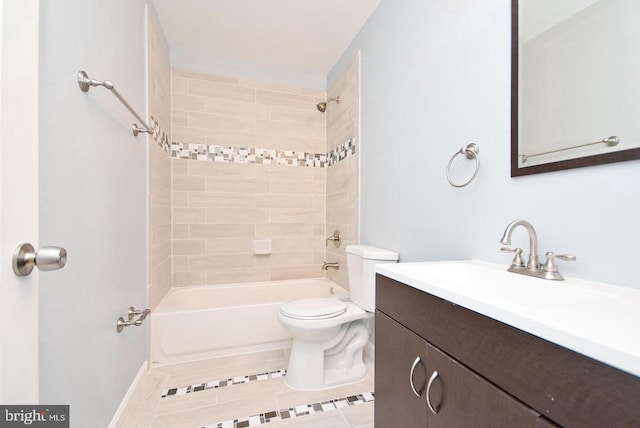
332,265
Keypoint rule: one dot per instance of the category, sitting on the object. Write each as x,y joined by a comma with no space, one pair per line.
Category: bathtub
194,323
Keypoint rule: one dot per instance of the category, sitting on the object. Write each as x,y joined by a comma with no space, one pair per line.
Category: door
461,398
93,201
400,378
18,198
72,175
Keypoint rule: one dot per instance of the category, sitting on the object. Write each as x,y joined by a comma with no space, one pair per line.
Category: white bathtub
194,323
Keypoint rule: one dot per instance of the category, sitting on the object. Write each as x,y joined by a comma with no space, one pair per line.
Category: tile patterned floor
242,391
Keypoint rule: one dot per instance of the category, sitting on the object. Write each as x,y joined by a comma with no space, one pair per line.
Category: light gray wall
436,76
93,201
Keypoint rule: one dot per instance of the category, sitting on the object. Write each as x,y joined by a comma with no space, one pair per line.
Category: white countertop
598,320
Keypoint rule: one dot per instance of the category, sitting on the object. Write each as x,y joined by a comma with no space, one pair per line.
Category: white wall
436,76
93,201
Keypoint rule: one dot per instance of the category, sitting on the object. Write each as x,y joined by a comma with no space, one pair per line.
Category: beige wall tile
237,185
284,201
160,254
238,215
189,183
221,123
179,85
241,202
229,246
284,99
285,259
180,263
184,279
180,231
295,215
179,118
283,129
271,230
189,247
214,231
220,261
178,73
160,234
297,187
221,200
159,215
222,169
160,283
230,107
180,199
296,272
184,102
182,134
221,90
189,215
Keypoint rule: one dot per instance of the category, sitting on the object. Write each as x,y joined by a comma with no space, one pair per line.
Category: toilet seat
314,309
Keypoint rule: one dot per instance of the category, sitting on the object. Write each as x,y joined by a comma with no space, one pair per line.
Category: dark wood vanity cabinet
488,373
459,397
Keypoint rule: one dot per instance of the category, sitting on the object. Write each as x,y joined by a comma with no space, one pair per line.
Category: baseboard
125,400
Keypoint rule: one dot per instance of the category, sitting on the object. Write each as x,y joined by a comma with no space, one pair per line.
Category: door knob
25,257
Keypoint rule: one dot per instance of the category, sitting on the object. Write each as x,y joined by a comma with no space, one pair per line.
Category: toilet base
314,367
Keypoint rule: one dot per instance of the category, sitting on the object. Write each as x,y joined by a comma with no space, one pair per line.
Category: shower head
323,105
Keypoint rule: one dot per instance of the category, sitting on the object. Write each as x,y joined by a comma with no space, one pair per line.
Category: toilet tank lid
371,253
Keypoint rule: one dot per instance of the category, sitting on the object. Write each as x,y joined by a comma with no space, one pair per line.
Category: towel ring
471,151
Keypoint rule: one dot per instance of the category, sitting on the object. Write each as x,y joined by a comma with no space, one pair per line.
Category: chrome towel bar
86,83
610,141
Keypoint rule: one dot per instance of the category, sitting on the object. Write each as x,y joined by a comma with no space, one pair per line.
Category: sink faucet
548,270
533,241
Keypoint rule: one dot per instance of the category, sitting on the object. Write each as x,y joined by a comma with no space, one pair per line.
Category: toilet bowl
329,334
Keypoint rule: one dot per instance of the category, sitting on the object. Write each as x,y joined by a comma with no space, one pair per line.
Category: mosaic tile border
343,151
208,152
222,383
159,136
294,412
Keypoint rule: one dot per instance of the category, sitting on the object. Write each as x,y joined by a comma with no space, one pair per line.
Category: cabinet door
395,354
464,399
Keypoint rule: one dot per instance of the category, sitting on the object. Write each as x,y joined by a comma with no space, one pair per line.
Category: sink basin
595,319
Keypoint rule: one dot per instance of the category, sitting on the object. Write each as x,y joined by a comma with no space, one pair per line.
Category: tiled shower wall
227,196
343,124
159,79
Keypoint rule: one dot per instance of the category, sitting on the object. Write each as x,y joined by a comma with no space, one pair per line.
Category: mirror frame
619,156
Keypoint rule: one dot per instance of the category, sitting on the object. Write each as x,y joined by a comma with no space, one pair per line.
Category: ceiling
294,42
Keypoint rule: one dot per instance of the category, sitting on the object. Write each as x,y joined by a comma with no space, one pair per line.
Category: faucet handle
517,260
551,266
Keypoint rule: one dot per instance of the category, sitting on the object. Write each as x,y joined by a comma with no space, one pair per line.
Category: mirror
575,89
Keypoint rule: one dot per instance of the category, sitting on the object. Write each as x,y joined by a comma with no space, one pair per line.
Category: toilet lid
314,308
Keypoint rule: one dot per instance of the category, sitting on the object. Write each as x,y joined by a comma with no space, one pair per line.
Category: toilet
329,334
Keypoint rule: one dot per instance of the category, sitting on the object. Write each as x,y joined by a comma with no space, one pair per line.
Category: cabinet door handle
431,379
413,368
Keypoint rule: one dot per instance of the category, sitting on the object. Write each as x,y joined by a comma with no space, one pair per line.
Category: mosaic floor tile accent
294,412
208,152
222,383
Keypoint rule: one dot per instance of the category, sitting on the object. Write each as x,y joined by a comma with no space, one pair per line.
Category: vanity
467,344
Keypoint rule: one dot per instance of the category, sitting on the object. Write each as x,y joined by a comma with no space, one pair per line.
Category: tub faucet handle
335,238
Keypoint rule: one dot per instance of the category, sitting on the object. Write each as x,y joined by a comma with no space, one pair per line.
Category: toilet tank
361,260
